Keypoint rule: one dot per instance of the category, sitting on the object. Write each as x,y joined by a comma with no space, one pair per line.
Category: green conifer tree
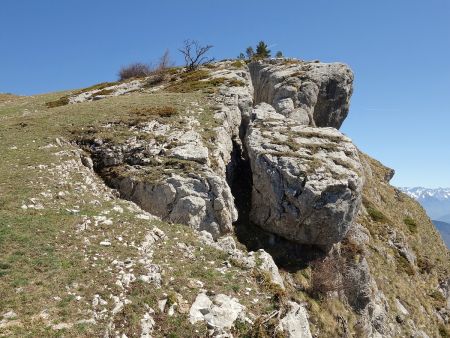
262,51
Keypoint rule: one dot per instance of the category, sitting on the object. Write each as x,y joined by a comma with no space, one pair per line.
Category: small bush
425,265
165,111
236,83
444,331
436,295
376,215
325,276
265,282
412,226
62,101
190,82
156,78
238,64
135,70
404,266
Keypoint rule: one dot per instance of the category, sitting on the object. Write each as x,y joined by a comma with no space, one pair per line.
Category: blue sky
399,51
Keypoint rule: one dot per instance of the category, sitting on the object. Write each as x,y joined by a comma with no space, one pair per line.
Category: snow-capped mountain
424,193
435,201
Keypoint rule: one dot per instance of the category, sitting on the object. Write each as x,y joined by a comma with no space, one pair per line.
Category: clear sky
399,51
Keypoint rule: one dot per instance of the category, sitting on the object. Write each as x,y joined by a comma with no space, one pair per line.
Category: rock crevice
275,144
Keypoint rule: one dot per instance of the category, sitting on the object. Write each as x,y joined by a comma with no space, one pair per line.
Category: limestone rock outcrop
316,94
202,200
220,313
171,170
295,323
307,181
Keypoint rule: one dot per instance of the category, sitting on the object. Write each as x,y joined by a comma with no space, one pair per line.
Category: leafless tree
164,61
194,54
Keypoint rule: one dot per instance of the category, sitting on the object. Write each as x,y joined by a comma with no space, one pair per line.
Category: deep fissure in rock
288,255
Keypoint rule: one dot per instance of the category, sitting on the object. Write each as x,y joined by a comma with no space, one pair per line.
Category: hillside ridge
218,202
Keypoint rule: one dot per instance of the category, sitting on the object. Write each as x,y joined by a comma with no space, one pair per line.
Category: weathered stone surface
295,323
306,181
174,173
260,259
191,152
267,264
112,90
147,324
316,94
220,313
202,200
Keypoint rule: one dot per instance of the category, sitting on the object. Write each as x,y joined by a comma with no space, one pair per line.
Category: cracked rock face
306,181
316,94
174,173
202,200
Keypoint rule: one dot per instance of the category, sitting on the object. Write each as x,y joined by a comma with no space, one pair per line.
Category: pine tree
279,54
262,51
241,56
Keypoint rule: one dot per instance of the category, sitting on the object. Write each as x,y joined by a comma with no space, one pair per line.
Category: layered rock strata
306,181
313,93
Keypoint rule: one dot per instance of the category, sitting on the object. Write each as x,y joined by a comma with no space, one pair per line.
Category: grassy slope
45,263
414,286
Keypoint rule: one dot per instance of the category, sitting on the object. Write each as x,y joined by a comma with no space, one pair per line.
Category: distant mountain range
435,201
437,204
444,229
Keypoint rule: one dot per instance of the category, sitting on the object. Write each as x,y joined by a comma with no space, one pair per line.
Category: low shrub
236,83
238,64
444,331
404,266
325,276
436,295
376,215
62,101
134,70
424,264
412,226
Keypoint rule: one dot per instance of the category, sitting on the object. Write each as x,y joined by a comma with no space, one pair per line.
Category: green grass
238,64
411,224
43,257
376,215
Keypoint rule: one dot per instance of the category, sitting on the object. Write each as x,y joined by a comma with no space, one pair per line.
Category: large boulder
313,93
307,181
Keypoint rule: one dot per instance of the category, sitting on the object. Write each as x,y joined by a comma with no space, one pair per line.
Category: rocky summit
216,202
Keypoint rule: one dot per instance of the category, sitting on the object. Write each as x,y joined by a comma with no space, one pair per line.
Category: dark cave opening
288,255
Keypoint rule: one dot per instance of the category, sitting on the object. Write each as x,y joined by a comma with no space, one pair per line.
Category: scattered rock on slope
295,323
220,313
